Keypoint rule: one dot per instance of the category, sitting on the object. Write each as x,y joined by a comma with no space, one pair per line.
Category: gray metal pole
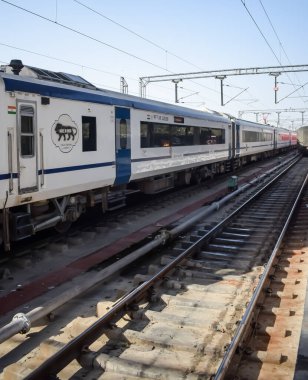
221,92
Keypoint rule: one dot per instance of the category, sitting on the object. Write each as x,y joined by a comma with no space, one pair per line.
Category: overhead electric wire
90,37
280,43
84,35
59,59
80,66
274,30
96,40
147,40
265,39
302,86
256,24
135,33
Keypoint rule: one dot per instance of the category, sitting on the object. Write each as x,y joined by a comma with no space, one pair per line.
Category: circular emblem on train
64,133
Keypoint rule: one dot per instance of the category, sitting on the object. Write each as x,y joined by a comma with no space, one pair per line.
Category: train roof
252,123
73,87
303,127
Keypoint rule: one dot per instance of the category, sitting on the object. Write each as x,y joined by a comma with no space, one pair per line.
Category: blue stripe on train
76,167
7,176
63,169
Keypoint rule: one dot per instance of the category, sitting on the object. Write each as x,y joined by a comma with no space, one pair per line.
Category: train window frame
251,136
212,136
89,134
173,135
146,135
218,136
267,136
27,132
256,136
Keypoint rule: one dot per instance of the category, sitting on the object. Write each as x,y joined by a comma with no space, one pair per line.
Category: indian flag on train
11,110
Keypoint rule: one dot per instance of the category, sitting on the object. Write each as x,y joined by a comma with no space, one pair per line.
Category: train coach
302,135
66,146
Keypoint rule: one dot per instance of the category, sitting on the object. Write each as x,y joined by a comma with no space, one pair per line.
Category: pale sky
105,40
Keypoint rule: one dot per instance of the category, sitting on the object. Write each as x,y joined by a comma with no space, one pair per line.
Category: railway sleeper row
273,344
153,339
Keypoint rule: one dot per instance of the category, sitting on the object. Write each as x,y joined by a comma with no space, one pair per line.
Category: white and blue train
66,145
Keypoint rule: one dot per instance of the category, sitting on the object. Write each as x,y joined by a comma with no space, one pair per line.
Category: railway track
177,324
273,341
39,257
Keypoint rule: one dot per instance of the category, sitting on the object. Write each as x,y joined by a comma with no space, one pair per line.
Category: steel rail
245,322
22,322
74,348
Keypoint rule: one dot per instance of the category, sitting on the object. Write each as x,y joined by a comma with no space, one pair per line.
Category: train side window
189,135
250,136
161,135
88,134
182,135
146,135
196,138
178,135
268,136
26,131
205,136
217,136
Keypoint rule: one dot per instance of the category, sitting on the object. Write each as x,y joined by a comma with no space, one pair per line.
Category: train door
232,139
122,145
237,140
27,147
275,139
